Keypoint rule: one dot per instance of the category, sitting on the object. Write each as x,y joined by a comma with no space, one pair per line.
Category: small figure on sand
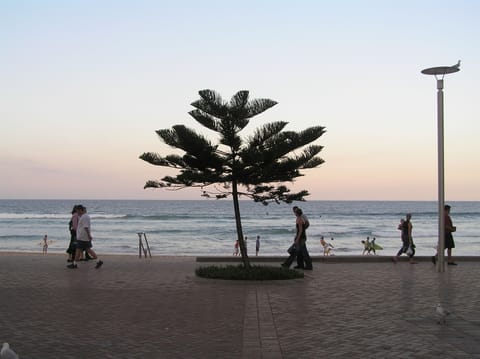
45,242
257,245
236,248
327,247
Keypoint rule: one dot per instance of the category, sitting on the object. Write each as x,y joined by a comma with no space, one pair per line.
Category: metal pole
441,180
441,71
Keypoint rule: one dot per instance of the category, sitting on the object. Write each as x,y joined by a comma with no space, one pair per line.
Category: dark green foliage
240,272
236,166
270,155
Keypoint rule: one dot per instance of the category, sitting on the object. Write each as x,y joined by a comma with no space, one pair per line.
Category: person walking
300,252
257,245
303,257
303,252
449,242
84,238
408,247
72,225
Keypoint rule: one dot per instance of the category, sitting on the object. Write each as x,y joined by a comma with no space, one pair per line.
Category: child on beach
45,244
235,250
327,247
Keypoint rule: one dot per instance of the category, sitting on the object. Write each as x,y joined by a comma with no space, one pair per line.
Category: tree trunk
238,221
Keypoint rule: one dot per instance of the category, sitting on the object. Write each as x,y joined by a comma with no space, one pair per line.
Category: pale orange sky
84,88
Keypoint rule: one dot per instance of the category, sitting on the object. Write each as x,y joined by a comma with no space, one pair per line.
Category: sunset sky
84,85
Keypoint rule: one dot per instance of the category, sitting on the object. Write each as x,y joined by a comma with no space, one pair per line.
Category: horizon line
226,199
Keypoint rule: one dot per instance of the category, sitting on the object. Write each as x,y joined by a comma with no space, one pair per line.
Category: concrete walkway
158,308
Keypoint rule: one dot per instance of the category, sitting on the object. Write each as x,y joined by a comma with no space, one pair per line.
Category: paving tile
158,308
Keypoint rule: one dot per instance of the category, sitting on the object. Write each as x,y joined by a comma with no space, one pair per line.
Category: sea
207,227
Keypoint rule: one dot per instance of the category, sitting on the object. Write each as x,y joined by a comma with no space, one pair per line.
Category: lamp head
442,70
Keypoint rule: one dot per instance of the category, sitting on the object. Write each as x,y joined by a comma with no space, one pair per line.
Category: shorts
449,242
84,245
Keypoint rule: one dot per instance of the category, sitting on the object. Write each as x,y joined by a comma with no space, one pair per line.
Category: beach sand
158,308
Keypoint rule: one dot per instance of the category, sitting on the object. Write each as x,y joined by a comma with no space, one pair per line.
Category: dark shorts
449,242
83,245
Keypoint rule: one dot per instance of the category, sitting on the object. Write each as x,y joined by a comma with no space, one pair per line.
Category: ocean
207,227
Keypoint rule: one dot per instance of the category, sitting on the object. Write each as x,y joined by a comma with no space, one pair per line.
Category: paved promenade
158,308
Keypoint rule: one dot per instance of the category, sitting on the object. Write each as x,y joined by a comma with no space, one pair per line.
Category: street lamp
439,73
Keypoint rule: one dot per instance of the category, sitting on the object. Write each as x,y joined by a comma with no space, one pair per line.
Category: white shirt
83,222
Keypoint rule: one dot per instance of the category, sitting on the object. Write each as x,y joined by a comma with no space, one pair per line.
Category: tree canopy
257,166
271,155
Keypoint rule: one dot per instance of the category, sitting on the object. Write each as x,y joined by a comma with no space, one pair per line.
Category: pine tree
235,166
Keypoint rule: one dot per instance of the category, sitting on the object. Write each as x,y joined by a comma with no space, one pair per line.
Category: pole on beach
439,73
142,236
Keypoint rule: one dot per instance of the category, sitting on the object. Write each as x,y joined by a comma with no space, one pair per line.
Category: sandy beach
158,308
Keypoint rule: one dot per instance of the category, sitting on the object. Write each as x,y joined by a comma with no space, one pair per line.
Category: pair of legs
87,247
72,246
303,257
449,257
72,249
404,249
90,251
293,254
449,245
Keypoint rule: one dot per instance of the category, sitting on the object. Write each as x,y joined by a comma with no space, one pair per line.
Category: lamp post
439,73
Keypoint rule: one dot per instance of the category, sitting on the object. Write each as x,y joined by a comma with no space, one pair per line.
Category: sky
84,85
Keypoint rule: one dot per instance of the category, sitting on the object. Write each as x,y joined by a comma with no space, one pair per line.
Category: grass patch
239,272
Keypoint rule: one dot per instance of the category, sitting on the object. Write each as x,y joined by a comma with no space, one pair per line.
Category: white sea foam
207,227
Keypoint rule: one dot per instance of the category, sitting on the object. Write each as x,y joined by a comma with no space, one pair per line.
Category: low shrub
239,272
